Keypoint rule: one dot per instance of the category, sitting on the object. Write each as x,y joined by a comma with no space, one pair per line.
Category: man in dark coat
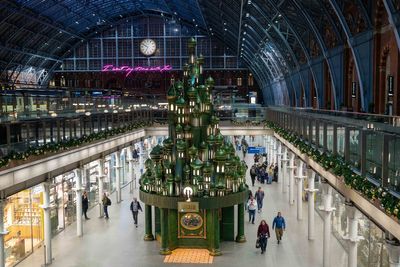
85,205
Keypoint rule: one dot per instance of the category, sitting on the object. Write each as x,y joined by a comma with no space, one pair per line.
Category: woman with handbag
262,234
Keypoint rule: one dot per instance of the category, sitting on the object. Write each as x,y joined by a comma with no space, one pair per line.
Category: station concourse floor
117,243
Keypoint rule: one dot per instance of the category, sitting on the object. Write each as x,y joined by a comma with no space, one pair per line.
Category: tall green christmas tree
194,180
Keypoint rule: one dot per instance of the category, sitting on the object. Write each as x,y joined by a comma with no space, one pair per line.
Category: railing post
325,136
317,134
347,143
363,151
385,160
334,146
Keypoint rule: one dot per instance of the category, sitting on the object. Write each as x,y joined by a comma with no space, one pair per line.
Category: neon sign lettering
128,70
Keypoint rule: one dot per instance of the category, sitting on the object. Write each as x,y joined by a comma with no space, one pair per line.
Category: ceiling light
247,15
76,22
244,33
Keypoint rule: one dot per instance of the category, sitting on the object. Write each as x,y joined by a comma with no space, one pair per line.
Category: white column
269,150
291,178
279,154
353,215
299,179
78,190
265,139
394,253
131,173
100,178
3,232
274,152
285,170
117,176
47,223
327,210
311,201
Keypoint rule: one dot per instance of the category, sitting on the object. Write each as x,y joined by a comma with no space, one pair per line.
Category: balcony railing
372,149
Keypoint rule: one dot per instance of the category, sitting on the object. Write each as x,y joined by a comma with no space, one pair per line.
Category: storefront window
90,184
62,200
23,219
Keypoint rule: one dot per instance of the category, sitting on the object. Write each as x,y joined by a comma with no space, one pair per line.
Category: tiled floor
117,243
197,256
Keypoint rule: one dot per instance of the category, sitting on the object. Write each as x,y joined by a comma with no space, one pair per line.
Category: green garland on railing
64,145
338,166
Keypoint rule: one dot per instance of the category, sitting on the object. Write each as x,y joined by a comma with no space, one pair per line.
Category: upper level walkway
24,173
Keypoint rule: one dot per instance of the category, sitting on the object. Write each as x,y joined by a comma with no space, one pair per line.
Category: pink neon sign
128,70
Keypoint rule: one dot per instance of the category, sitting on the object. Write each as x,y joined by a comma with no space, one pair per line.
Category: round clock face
148,47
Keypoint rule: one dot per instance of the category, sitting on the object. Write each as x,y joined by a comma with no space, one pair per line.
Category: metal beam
394,20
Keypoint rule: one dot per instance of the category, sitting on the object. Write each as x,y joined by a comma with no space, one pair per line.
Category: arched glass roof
273,37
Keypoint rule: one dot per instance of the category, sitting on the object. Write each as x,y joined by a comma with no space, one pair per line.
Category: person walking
270,174
252,206
276,173
106,202
279,225
245,146
250,194
135,207
263,235
260,198
85,205
253,174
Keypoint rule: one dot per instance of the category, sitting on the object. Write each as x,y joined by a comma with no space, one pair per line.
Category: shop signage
353,89
390,85
129,70
256,150
188,206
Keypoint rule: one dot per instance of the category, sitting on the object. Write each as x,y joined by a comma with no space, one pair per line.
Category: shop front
23,219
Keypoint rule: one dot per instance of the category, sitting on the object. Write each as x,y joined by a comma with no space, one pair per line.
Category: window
94,48
80,52
231,62
124,48
239,81
81,64
172,47
109,48
250,80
